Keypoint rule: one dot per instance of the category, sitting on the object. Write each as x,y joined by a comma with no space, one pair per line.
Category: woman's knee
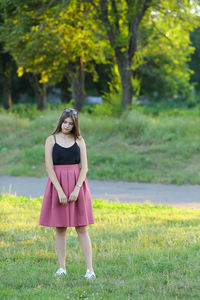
82,230
61,230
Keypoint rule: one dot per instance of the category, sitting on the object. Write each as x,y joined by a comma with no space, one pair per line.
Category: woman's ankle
90,268
63,267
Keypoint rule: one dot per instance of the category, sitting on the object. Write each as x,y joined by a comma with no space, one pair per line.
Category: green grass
135,147
140,252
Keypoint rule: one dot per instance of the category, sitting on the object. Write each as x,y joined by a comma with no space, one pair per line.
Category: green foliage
163,70
160,30
110,107
29,111
149,252
165,108
49,41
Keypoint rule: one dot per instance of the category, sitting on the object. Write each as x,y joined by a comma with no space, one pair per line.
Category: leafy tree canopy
164,51
50,39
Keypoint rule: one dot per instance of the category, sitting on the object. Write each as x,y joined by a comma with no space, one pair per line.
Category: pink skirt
78,213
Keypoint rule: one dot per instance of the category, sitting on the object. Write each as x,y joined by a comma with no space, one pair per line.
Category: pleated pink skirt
78,213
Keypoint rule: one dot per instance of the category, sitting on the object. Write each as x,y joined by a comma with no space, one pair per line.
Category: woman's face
67,125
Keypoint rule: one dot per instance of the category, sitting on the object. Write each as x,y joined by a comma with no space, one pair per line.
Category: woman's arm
49,167
83,172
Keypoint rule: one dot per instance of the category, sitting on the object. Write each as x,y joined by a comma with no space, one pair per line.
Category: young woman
67,201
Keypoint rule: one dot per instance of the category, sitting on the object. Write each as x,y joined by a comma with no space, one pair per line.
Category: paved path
185,196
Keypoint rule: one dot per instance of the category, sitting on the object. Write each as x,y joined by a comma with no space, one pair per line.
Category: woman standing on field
67,201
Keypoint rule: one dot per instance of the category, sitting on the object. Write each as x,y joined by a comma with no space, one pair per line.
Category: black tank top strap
54,138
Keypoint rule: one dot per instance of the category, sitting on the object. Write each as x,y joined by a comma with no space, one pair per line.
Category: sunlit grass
140,252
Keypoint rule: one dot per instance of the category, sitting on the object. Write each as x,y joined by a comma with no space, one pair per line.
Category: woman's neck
64,135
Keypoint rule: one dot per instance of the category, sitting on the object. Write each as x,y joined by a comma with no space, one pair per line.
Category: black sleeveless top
66,156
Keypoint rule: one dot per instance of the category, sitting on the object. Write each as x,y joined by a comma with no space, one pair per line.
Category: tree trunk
39,90
78,86
136,11
125,72
64,88
6,82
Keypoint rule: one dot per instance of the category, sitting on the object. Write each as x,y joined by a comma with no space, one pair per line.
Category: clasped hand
63,198
74,195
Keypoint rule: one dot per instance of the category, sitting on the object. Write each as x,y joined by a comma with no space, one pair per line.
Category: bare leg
61,245
85,245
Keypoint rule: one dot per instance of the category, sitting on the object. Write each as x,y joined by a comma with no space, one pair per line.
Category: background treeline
120,50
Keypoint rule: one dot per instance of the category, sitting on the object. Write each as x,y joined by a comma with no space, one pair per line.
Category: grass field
140,252
134,147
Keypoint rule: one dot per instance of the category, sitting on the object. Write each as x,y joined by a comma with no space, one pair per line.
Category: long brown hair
69,113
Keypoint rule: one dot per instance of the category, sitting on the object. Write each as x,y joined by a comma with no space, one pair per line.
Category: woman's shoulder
80,141
50,140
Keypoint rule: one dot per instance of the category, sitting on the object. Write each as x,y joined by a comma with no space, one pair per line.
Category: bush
133,123
110,107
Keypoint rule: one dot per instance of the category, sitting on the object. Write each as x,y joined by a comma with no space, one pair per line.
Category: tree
195,58
122,21
165,50
55,41
6,70
11,30
6,80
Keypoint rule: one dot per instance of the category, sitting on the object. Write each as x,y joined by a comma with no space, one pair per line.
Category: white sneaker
60,272
90,275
